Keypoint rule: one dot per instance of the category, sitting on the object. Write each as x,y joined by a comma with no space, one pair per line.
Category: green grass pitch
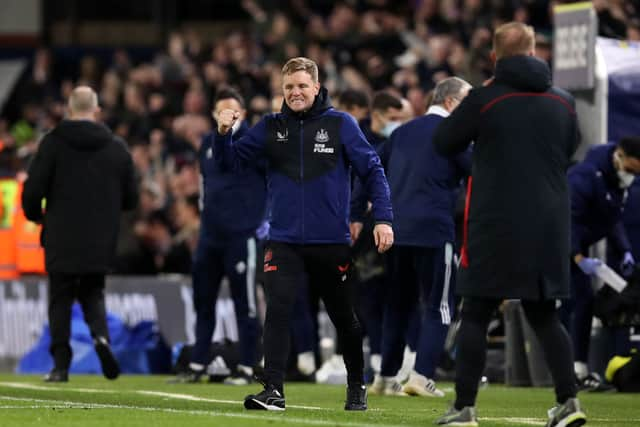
148,401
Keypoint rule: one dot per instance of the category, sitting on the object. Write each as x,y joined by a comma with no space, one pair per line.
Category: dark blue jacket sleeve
358,201
241,153
580,186
619,238
359,196
368,168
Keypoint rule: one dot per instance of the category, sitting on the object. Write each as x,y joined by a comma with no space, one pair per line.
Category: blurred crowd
162,108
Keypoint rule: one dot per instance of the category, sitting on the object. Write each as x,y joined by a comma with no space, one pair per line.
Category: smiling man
309,148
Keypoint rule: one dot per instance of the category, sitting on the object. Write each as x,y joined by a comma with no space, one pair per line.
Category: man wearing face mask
233,206
386,116
598,188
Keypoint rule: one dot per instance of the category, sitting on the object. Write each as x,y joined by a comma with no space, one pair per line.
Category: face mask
625,178
388,129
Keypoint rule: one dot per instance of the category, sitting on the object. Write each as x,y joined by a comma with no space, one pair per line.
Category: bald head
514,39
83,102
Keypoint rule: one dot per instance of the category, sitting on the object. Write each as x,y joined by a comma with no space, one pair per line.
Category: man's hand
355,228
383,237
226,119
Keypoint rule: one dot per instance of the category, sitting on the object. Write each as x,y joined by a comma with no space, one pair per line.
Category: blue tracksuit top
424,185
232,202
309,158
597,201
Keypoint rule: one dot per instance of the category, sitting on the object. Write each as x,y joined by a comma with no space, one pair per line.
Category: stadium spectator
86,176
309,148
598,195
424,187
517,196
233,209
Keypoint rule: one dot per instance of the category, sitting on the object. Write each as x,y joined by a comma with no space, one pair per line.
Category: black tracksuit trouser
329,270
64,289
472,346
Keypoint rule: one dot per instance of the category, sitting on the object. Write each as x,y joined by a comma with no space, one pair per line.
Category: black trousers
472,346
64,289
329,270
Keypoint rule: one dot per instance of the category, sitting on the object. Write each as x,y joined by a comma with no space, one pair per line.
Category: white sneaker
332,371
306,363
408,363
386,386
419,385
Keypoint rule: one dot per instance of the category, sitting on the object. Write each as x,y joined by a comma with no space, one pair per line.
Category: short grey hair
449,87
83,99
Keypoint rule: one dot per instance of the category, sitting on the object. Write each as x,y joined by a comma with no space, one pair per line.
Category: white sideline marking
283,418
204,399
516,420
180,396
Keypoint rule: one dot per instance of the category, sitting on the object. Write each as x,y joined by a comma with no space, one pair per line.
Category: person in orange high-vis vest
29,252
9,202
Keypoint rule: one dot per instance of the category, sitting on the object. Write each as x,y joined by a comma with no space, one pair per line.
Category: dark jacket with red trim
309,157
517,233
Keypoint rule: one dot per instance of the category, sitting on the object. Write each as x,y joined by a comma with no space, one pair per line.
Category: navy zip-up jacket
309,158
597,201
424,184
232,202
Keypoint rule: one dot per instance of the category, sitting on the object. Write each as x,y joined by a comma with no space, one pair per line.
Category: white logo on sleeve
209,153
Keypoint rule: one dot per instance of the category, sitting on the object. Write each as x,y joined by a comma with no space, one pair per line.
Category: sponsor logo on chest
321,138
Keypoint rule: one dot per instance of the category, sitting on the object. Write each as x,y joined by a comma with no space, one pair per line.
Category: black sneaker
269,399
190,376
356,398
594,383
566,415
110,366
57,376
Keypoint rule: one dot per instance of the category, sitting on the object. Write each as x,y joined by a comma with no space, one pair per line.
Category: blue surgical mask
388,129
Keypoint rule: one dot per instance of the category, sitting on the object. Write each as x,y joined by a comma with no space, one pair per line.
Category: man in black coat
516,230
84,177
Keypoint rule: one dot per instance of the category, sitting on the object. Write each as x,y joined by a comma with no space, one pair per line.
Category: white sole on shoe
254,404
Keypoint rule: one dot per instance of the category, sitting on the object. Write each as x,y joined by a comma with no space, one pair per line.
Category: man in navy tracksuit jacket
233,209
424,186
598,195
310,149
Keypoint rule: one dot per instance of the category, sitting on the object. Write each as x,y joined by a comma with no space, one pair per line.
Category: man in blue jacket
424,187
310,149
233,210
598,188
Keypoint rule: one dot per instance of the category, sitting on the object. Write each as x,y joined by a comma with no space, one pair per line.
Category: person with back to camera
86,176
516,230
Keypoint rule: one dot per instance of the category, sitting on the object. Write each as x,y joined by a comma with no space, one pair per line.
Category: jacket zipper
302,177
